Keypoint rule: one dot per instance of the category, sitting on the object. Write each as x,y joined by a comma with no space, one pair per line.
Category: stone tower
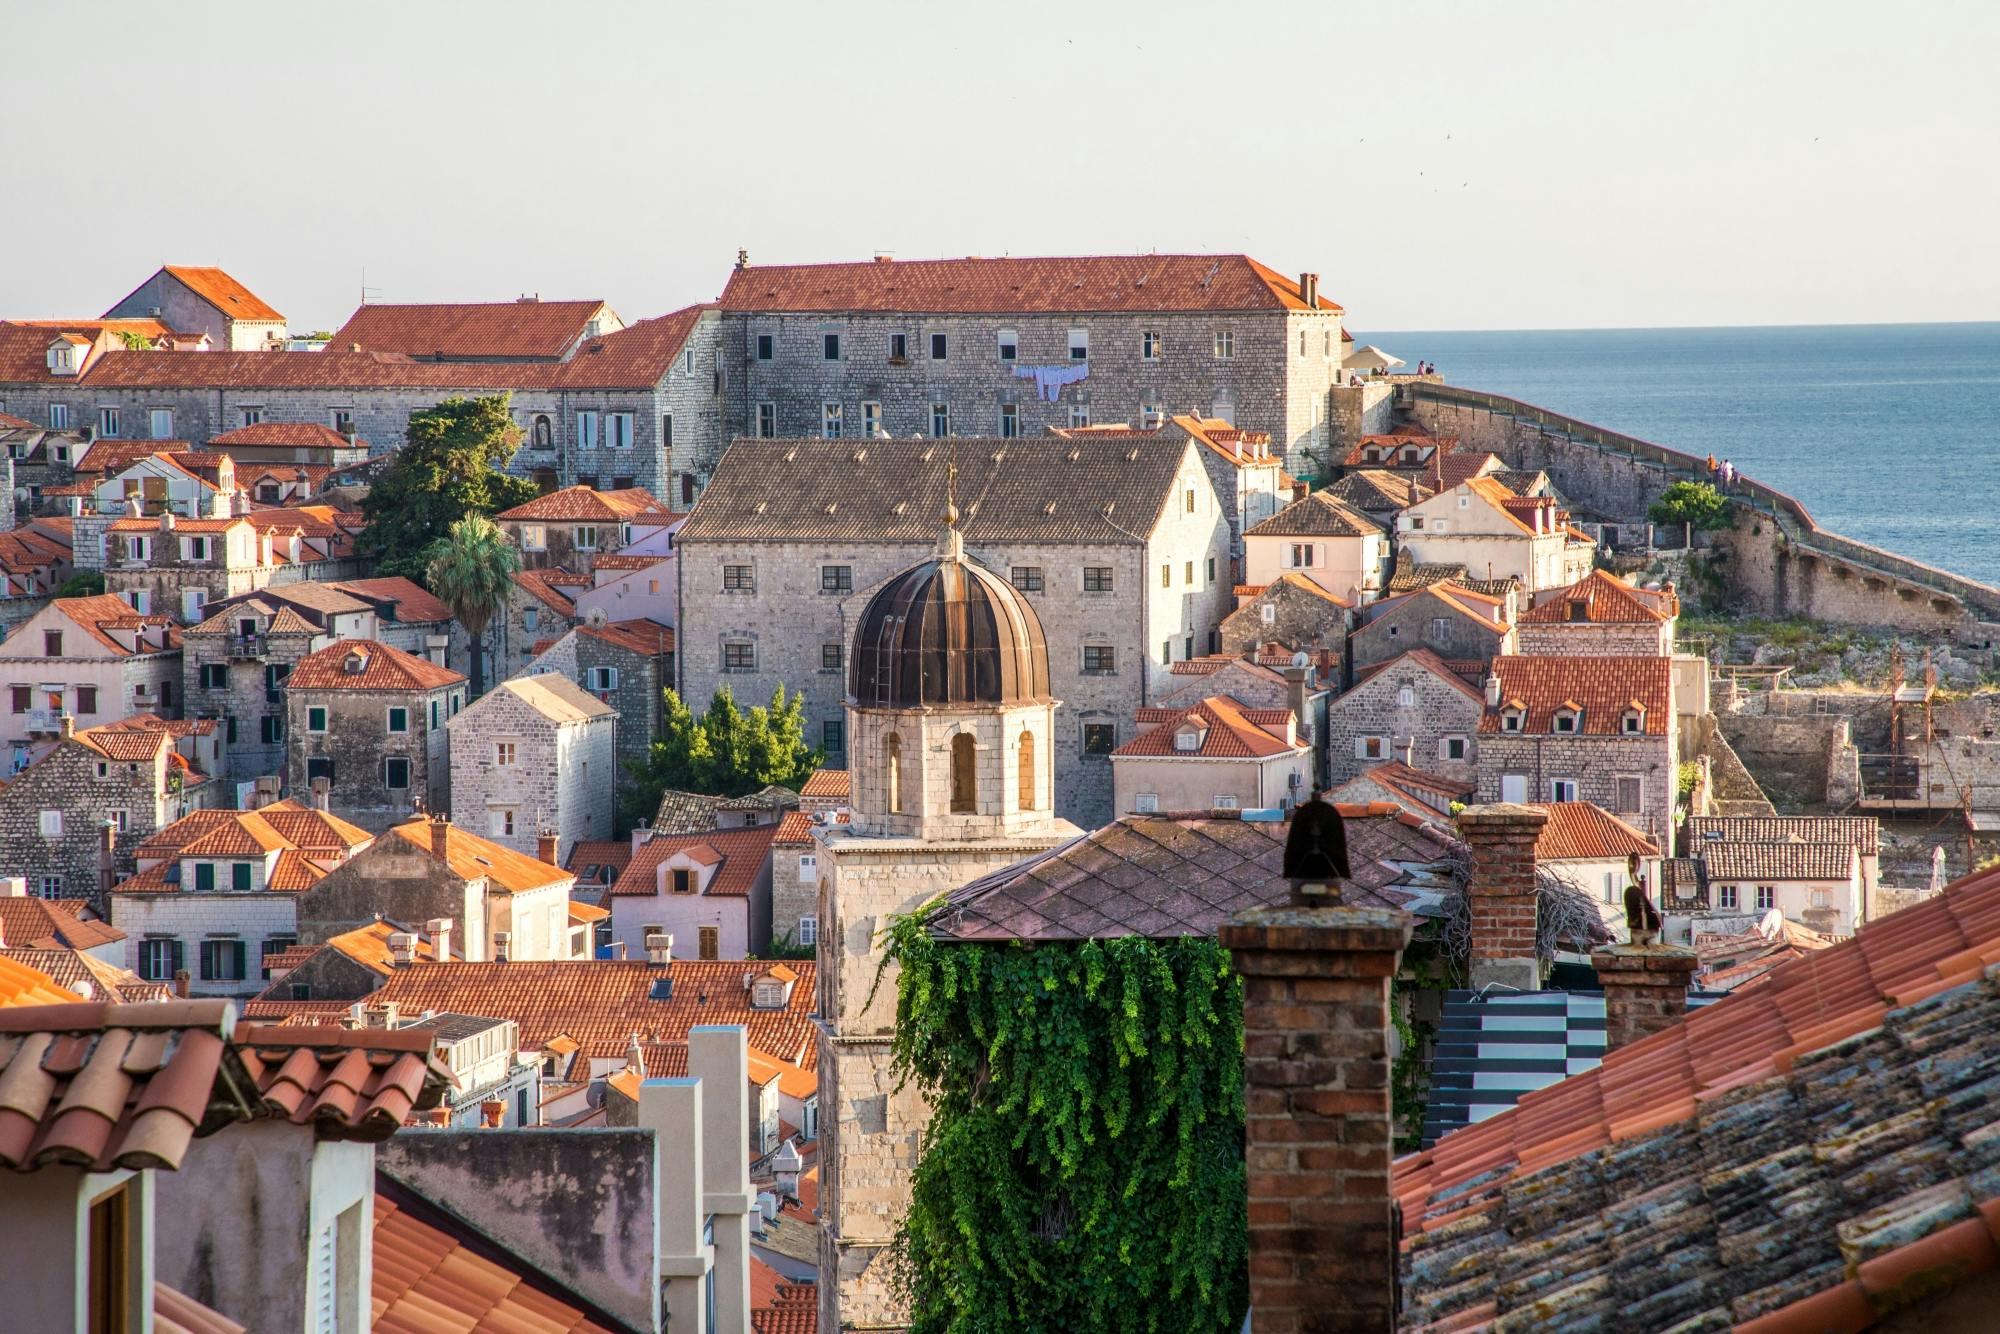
949,725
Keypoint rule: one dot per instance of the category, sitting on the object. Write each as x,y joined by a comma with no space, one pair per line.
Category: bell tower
950,727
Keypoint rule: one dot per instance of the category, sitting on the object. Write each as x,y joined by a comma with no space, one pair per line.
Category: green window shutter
239,876
204,876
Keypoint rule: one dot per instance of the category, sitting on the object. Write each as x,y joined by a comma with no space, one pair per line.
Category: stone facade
324,975
52,814
1414,710
172,301
795,855
532,755
1424,620
177,568
352,745
1592,639
256,923
1287,612
1515,766
239,680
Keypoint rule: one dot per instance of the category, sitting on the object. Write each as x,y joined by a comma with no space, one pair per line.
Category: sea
1888,434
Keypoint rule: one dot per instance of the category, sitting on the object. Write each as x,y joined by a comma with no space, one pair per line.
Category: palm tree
470,571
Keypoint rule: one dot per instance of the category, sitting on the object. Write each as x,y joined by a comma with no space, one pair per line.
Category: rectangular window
1149,346
86,699
1079,344
1211,569
1224,801
836,578
343,420
767,346
249,416
1010,345
395,772
500,822
1099,738
585,537
1146,803
767,420
214,676
204,877
1629,795
1451,748
683,880
316,718
667,430
586,430
222,960
830,421
160,959
1079,416
435,712
1010,421
1303,554
709,944
58,416
1097,578
831,655
399,720
829,347
833,736
899,348
1562,789
1150,416
1725,897
161,422
52,824
1099,659
1166,652
940,347
940,420
1027,578
620,429
1767,898
600,679
1189,573
19,698
1225,344
1166,576
270,729
808,928
241,877
738,656
1371,748
738,579
871,420
504,754
319,766
107,421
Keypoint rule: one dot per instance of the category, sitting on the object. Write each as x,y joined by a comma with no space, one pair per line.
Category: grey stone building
1292,611
570,528
541,607
1599,616
370,720
532,756
55,814
1122,551
627,664
1009,347
1464,628
795,881
1414,709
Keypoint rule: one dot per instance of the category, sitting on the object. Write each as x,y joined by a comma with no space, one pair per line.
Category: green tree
88,584
470,570
1694,507
448,468
723,752
135,342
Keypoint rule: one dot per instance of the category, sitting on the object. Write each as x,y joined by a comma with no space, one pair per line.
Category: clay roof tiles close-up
366,664
355,1084
1603,688
740,854
523,330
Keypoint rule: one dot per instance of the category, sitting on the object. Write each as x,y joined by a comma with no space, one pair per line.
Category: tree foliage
724,752
1691,504
89,583
1084,1164
470,570
448,468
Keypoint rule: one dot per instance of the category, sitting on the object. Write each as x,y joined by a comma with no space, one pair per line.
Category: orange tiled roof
615,854
647,638
1604,688
1430,662
1583,831
309,435
795,830
431,1273
313,830
115,1084
369,946
1318,514
635,357
224,293
1304,583
22,984
116,743
586,503
413,603
794,1309
536,584
177,1313
248,835
1239,447
1005,286
380,668
1604,599
1228,730
355,1084
828,783
742,854
91,614
1411,784
526,330
51,924
471,857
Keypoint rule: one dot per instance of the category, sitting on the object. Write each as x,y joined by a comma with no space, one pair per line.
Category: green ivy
1084,1166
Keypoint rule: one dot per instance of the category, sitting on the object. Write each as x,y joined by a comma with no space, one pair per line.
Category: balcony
246,646
45,720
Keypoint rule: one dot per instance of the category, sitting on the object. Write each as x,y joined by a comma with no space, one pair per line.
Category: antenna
365,288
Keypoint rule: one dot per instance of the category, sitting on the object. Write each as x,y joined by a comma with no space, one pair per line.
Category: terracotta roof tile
795,830
1580,830
517,330
23,984
379,667
1863,832
1377,489
794,1309
536,584
177,1313
828,783
742,855
51,924
472,857
1007,286
647,638
635,357
1319,514
584,503
411,602
223,292
1726,860
1223,727
598,862
1601,598
434,1274
356,1084
291,435
1604,687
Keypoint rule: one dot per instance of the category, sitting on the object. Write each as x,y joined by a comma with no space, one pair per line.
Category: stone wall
1290,615
562,775
1421,621
249,701
191,918
639,698
1588,639
1360,409
1791,757
1415,733
358,741
1594,764
794,888
393,878
84,788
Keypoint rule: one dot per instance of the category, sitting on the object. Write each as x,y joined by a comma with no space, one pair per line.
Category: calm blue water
1889,434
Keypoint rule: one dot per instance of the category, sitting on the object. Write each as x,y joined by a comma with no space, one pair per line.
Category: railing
246,646
45,720
1792,518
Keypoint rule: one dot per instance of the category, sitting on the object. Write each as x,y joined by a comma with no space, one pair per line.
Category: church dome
948,633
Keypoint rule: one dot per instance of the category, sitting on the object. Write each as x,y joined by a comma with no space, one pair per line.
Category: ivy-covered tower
950,750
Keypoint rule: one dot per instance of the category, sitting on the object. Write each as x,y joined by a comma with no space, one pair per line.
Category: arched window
892,763
964,787
542,434
1027,770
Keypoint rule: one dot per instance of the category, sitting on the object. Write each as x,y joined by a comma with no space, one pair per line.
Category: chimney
1318,1125
107,845
357,1016
501,941
322,792
166,521
1500,894
68,726
1492,691
547,845
439,930
402,948
659,948
1295,696
492,1112
434,648
13,887
635,1057
181,983
440,835
1645,989
1309,289
642,834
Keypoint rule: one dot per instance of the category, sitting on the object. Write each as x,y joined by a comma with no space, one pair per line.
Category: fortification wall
1778,560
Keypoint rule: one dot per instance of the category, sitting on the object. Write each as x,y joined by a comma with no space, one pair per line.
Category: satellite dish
1773,924
596,618
1302,659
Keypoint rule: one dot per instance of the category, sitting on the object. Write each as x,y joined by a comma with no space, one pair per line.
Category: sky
1441,165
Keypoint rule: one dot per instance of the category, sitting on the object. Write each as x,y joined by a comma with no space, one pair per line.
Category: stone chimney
1317,1118
635,1057
107,865
439,930
435,646
13,887
68,726
1295,697
181,983
440,835
1501,893
322,793
402,948
547,844
1492,691
1645,989
502,943
642,834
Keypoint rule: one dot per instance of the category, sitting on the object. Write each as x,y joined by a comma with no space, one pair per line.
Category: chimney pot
493,1111
440,835
1500,893
501,941
13,887
322,793
68,726
1645,989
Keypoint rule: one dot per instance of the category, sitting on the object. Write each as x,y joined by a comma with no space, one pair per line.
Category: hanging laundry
1049,380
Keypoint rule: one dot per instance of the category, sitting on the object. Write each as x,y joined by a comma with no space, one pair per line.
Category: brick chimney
1318,1123
1501,891
1645,989
547,844
440,834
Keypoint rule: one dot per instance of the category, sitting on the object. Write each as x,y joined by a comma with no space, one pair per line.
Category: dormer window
354,664
1568,720
683,880
1634,721
1579,609
1188,738
1512,719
